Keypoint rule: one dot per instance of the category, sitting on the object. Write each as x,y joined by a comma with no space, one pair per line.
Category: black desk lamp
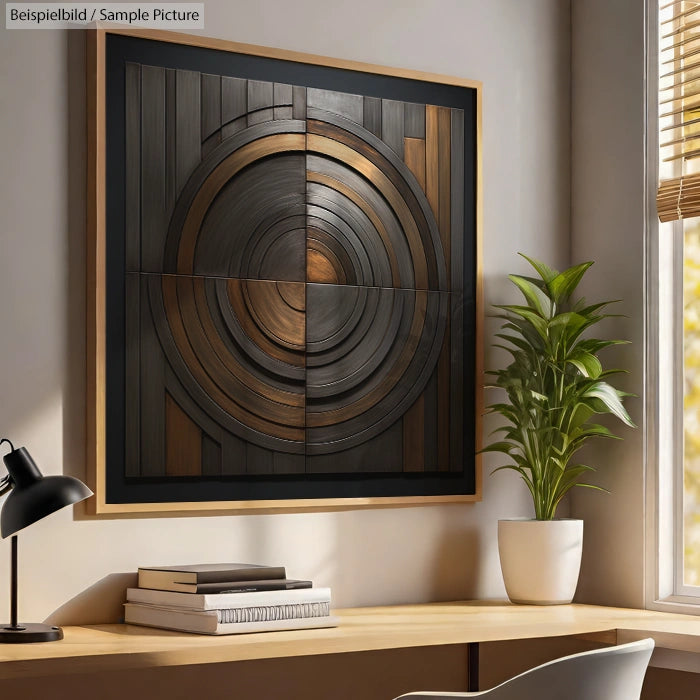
32,497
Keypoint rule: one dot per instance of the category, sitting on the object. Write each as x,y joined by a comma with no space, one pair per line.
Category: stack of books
225,599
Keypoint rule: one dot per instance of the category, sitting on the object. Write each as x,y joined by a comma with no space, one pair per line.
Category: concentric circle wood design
268,211
293,259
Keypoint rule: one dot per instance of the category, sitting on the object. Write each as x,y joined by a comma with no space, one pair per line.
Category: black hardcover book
173,578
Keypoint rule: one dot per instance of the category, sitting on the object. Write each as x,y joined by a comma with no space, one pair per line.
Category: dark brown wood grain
237,296
187,124
153,196
183,442
414,437
384,175
370,209
432,159
151,383
211,105
444,184
132,166
444,389
223,387
132,385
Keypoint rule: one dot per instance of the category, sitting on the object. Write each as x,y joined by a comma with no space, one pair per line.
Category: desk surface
113,647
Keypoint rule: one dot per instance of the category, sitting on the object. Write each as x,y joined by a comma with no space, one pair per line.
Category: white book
207,621
220,601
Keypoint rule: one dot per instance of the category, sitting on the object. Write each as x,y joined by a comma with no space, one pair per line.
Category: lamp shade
34,496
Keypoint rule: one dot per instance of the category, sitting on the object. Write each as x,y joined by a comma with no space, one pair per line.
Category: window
678,304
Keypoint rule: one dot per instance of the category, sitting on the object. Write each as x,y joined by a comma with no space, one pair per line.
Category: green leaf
589,365
545,272
610,398
534,296
564,284
505,447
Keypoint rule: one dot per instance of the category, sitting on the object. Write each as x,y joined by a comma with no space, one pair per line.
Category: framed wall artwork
283,279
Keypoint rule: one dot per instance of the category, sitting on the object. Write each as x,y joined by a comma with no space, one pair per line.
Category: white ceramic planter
540,559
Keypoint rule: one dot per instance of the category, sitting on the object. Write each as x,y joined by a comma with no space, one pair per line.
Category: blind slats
678,196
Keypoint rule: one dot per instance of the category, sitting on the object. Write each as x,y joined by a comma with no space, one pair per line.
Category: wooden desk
117,647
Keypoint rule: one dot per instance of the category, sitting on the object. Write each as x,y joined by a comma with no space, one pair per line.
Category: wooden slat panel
283,98
211,143
414,120
413,437
445,188
393,125
132,384
234,98
132,156
430,401
188,124
170,142
153,224
380,454
260,101
233,127
211,105
152,392
414,157
373,115
183,442
283,463
258,460
457,339
233,455
299,102
211,430
342,103
444,389
211,456
431,159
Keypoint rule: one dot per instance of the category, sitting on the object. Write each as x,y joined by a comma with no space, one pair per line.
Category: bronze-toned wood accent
226,389
431,159
241,303
205,327
414,155
339,151
394,171
183,442
367,209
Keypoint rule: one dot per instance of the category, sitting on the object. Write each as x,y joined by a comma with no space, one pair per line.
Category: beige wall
520,50
608,209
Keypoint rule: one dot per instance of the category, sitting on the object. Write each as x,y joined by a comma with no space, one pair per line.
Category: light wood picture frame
191,140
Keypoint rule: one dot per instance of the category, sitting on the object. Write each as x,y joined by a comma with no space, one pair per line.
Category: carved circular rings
304,304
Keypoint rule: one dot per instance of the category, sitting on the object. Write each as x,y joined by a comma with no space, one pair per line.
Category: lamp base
30,632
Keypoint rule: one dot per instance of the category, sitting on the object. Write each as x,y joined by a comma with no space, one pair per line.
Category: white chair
613,673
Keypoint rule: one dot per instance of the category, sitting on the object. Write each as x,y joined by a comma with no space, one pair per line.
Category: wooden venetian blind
679,110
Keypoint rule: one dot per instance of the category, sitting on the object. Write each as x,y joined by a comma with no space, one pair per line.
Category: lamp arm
6,481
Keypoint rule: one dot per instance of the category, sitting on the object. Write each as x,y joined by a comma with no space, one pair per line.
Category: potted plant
554,386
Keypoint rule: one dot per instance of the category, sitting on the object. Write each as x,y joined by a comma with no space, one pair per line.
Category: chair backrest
613,673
